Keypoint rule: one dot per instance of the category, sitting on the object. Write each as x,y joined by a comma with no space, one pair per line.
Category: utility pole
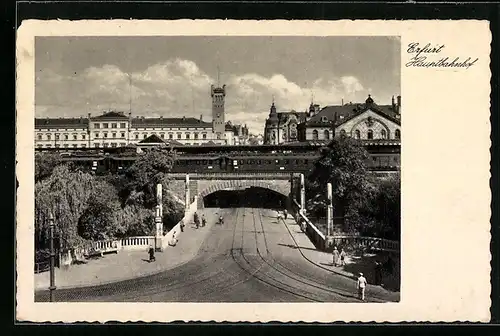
52,287
130,93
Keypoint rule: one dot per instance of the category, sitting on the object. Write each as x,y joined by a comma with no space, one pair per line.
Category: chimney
89,115
201,117
399,104
342,101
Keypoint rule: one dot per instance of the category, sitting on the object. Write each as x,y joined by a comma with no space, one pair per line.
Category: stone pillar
302,194
188,197
159,219
329,216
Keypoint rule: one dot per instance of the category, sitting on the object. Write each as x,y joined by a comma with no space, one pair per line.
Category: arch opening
249,197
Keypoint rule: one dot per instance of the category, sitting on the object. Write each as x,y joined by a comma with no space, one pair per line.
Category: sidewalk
130,264
325,260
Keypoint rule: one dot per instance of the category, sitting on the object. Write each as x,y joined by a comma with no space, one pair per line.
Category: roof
339,114
111,115
193,122
61,122
154,139
210,143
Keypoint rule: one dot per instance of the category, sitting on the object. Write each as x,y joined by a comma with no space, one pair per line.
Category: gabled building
367,121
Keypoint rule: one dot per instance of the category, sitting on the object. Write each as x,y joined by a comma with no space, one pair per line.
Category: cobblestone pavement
252,257
130,264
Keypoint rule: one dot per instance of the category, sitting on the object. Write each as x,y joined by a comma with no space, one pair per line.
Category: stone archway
281,187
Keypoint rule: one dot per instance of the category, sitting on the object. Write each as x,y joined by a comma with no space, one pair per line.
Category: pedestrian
285,213
196,220
173,240
203,220
335,256
182,225
342,257
151,253
361,287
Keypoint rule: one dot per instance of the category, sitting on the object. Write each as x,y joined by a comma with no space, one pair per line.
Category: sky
170,76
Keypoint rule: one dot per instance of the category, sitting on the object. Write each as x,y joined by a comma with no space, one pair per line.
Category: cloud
178,87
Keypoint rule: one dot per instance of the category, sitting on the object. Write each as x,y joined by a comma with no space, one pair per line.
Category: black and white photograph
217,169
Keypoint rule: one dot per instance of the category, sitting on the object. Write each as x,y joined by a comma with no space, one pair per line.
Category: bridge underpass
246,197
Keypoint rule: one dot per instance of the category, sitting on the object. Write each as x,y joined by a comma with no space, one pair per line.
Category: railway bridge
198,186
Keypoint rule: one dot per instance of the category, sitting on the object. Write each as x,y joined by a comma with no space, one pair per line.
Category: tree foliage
142,177
368,205
45,164
64,194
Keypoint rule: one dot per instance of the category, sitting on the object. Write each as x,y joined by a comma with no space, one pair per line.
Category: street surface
252,257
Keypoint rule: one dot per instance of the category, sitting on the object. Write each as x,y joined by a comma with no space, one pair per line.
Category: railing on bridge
318,238
231,176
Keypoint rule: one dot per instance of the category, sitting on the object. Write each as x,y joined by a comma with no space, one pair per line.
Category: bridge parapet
231,176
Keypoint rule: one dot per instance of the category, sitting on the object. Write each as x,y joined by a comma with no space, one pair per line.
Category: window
96,135
113,125
75,145
96,145
123,134
105,125
48,136
178,135
105,135
66,145
57,145
196,135
370,134
48,146
105,145
204,136
383,134
97,126
170,136
137,136
162,135
84,146
122,125
40,146
83,136
75,137
398,134
122,144
324,119
57,137
357,134
145,136
327,134
113,144
39,137
187,135
315,135
66,137
114,135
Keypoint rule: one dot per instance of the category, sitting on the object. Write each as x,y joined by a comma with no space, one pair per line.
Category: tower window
383,134
357,134
397,134
327,134
370,134
315,135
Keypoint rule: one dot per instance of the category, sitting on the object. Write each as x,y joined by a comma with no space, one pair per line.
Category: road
250,258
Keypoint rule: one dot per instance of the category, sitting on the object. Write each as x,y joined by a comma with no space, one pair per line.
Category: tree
64,194
142,177
342,163
97,221
45,164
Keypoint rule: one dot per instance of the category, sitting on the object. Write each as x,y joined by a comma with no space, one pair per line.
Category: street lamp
52,287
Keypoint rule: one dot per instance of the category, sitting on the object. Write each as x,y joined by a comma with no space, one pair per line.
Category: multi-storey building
367,121
282,127
116,129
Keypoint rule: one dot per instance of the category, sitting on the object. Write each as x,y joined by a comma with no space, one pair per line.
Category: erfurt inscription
430,56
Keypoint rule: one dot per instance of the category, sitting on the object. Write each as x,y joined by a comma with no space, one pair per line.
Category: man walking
203,220
361,287
151,253
342,257
335,256
196,220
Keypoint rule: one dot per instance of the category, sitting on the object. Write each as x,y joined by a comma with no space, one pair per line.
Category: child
151,254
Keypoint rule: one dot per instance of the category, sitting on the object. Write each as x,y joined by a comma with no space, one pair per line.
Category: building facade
282,127
115,129
367,121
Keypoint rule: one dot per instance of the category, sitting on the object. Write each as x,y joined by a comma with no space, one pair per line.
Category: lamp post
52,287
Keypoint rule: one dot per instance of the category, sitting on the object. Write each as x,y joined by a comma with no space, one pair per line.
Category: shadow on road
297,247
